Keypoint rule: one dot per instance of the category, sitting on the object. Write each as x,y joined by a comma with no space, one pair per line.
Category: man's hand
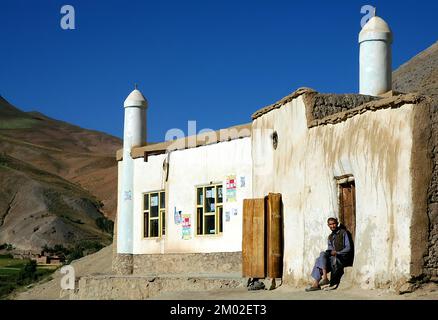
333,253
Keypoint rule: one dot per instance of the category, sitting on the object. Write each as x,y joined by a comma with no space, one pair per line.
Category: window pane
219,194
220,213
200,196
199,222
162,200
154,228
154,205
210,196
145,225
210,224
163,223
146,202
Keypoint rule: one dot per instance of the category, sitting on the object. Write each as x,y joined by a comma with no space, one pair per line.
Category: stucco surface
374,146
206,164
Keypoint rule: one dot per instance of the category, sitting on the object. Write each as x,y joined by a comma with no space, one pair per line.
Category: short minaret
134,135
375,40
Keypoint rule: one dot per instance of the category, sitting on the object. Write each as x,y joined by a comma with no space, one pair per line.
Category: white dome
135,99
376,24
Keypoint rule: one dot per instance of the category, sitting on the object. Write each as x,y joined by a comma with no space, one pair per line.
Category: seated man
338,255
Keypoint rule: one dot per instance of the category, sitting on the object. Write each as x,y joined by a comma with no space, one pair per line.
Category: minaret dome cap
376,24
136,99
376,29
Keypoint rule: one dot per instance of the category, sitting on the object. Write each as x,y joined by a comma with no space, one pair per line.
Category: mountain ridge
56,180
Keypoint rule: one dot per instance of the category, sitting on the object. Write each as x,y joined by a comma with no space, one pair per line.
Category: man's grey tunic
325,260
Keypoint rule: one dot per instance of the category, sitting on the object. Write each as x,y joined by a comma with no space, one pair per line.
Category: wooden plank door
274,232
348,206
253,240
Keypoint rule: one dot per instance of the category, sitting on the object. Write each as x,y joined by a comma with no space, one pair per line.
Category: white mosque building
253,199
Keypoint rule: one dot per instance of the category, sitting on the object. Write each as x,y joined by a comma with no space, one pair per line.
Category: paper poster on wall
186,227
128,195
231,188
227,216
242,182
177,216
234,211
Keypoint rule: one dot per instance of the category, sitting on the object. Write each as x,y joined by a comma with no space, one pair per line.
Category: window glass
209,209
163,223
146,201
210,224
154,205
200,221
210,196
154,228
146,225
154,214
220,213
219,194
200,196
162,200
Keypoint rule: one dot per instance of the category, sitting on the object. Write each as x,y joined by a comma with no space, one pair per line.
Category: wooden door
274,233
348,206
253,240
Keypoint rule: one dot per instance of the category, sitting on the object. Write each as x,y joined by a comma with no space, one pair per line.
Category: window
209,210
154,214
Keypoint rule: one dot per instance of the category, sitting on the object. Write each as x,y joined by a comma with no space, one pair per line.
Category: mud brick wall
431,259
324,105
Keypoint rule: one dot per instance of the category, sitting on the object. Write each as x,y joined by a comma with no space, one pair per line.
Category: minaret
134,135
375,40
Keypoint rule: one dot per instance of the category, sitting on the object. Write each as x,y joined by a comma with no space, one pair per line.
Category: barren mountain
56,180
420,74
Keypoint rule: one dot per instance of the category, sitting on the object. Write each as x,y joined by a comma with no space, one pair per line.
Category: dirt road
100,263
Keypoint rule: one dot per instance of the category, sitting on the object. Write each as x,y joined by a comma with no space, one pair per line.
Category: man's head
332,223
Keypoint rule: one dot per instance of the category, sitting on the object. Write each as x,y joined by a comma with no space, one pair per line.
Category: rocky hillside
420,74
58,181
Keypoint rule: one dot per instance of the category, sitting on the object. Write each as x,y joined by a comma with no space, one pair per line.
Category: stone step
108,287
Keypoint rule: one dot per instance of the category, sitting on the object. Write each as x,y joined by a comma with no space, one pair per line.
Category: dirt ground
428,292
100,263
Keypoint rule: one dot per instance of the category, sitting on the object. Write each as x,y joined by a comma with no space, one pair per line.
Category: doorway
262,242
347,203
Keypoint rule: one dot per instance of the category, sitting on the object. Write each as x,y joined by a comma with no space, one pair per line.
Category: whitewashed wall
376,148
190,168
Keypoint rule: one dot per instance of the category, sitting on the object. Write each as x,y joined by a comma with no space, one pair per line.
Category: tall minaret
375,40
134,135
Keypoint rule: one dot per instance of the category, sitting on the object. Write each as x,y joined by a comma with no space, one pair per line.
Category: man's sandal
330,288
324,282
308,289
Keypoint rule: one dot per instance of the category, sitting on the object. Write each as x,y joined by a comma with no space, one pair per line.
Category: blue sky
215,62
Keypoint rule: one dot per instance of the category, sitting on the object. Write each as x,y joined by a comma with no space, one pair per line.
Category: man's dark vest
339,246
339,240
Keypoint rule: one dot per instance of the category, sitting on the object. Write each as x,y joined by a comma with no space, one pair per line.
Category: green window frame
209,209
154,214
